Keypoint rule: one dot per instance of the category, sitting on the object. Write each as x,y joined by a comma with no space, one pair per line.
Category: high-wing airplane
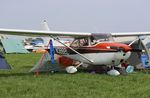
87,48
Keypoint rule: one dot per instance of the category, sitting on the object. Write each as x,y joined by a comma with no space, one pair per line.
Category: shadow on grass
29,74
15,74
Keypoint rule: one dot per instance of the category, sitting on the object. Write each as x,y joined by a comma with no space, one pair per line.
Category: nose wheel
113,71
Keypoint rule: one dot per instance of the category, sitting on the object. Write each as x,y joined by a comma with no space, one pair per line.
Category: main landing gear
73,69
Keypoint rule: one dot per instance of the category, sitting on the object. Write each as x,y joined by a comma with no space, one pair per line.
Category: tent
13,46
44,64
3,62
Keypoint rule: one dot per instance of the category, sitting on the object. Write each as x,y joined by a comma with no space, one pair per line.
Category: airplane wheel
113,72
71,69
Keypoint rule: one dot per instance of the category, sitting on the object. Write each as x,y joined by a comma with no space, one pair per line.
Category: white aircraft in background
93,49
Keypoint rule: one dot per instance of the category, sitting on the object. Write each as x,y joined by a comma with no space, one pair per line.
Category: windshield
95,38
101,37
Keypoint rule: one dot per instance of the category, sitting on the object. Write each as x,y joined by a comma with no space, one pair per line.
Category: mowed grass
19,83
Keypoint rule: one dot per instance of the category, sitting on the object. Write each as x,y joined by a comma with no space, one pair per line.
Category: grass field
18,83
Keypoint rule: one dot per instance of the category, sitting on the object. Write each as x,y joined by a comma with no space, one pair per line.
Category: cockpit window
75,43
80,42
88,41
103,37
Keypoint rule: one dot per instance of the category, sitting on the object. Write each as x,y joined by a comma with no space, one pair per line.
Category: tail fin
45,26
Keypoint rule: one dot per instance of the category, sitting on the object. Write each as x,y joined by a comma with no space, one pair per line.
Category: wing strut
72,49
47,28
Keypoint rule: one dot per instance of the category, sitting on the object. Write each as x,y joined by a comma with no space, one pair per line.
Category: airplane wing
59,33
42,33
127,34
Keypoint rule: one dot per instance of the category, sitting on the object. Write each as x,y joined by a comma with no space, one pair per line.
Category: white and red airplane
86,48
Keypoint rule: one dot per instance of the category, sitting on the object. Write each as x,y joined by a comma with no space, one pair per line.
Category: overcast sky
77,15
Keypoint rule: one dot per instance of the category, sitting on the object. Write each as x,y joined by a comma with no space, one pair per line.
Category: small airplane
93,49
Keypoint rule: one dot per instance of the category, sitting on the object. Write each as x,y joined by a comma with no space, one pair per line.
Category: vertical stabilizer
45,26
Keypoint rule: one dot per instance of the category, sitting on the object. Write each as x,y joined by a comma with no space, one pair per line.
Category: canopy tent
45,65
13,46
3,62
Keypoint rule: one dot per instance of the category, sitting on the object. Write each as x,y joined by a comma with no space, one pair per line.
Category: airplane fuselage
102,53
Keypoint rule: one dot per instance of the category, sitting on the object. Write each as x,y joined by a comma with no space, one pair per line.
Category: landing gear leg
79,65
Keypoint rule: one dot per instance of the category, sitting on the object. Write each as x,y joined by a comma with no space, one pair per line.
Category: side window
75,43
83,42
79,42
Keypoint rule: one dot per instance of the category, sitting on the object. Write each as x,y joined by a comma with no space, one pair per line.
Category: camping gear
144,61
44,64
3,62
13,46
51,51
129,69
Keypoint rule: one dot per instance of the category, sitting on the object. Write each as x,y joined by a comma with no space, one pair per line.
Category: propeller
139,39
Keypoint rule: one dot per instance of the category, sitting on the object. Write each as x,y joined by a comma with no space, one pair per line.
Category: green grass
18,83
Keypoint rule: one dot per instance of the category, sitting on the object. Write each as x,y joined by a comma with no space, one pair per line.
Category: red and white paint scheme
99,49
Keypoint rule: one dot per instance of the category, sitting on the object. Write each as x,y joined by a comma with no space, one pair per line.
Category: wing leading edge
42,33
127,34
59,33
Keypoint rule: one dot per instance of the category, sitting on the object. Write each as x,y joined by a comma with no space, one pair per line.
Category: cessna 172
86,48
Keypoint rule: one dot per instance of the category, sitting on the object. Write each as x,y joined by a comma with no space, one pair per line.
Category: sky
77,15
